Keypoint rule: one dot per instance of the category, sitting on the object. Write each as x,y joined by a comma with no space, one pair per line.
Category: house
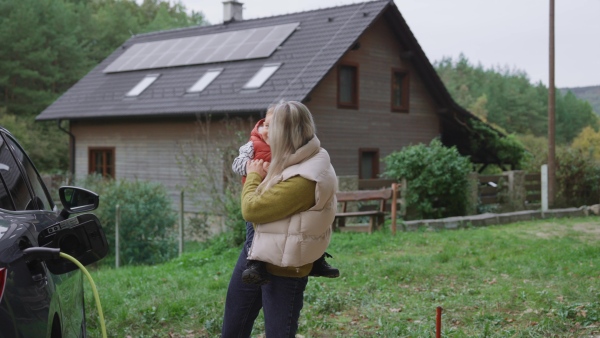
358,68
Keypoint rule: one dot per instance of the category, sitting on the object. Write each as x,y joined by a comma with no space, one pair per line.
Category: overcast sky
499,33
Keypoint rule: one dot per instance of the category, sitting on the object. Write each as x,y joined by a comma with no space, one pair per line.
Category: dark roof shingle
307,55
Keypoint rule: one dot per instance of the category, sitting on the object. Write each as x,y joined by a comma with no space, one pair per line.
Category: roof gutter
71,148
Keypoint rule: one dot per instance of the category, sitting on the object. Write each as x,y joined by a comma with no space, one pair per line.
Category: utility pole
551,115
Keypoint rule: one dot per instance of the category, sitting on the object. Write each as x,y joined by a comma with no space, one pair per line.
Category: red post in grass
394,206
438,322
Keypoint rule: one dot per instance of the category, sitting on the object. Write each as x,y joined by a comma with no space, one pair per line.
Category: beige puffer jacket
303,237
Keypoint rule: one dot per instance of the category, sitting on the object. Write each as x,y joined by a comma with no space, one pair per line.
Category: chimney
232,11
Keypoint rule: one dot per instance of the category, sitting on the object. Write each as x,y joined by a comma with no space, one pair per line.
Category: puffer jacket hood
262,151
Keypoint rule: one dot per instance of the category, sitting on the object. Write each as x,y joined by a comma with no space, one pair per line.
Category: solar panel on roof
241,51
219,47
168,52
184,54
133,55
218,54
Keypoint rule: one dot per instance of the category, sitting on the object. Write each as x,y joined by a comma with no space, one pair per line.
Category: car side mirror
81,237
77,200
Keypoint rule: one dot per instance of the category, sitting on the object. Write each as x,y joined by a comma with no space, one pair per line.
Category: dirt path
589,231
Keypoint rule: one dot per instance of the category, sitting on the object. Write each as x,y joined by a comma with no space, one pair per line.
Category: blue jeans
281,301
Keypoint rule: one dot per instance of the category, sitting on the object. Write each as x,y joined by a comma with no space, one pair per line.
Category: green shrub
577,177
536,154
577,172
234,222
436,176
147,219
508,149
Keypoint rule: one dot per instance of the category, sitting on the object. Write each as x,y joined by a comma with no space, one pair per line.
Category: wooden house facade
358,68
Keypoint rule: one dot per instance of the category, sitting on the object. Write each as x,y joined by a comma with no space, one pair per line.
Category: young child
258,148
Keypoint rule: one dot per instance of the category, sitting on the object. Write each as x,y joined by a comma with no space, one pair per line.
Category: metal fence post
181,223
117,221
544,180
403,194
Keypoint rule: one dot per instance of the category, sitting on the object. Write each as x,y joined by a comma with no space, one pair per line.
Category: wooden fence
509,191
375,183
522,191
533,188
489,188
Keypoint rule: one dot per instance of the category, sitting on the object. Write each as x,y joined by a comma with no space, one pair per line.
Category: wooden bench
376,216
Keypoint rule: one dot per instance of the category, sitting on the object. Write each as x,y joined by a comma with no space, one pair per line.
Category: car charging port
48,254
42,254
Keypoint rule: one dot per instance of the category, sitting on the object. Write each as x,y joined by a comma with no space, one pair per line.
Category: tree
37,43
572,116
41,57
48,45
114,21
505,98
213,187
536,152
588,142
157,15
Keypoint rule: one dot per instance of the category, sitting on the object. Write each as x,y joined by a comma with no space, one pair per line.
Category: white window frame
263,74
205,80
142,85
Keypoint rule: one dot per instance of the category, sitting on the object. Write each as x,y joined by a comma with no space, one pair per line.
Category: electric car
41,293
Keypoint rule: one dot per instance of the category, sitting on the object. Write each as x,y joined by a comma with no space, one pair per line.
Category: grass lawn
528,279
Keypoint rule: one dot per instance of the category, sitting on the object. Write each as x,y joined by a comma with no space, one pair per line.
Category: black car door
49,294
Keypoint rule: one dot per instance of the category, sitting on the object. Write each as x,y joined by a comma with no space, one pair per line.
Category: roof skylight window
142,85
262,76
205,80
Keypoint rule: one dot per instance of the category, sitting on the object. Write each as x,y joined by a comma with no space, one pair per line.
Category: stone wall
488,219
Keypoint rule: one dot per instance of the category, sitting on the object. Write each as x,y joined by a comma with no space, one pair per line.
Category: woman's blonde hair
292,126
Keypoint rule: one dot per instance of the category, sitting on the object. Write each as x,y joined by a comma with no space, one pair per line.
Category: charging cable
94,290
52,253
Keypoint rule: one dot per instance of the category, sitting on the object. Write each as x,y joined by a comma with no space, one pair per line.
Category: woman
292,208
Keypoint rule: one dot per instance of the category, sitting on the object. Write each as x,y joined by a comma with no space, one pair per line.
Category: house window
102,161
399,90
142,85
205,80
262,76
369,163
347,86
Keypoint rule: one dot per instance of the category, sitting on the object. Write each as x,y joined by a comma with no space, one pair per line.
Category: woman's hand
256,166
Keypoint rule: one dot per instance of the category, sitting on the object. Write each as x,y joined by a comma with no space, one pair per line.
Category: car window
12,178
5,200
39,189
